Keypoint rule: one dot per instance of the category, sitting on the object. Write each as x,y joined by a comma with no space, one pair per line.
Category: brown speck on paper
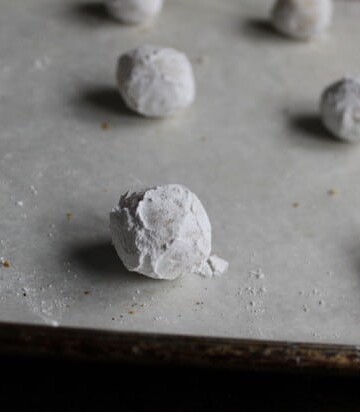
332,192
69,216
105,126
6,264
131,312
86,292
295,205
201,60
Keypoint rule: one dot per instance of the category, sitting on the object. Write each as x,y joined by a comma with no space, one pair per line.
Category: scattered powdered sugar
42,63
253,291
311,300
257,273
33,190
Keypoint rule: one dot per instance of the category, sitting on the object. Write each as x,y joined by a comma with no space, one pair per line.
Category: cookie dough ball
155,81
163,233
134,11
302,19
340,109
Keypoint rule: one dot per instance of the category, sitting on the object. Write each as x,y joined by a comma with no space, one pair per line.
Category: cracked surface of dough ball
164,232
340,109
155,81
134,11
302,19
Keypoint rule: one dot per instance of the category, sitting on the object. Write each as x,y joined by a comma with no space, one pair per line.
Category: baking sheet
282,195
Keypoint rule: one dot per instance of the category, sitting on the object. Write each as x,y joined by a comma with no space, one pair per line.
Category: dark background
56,385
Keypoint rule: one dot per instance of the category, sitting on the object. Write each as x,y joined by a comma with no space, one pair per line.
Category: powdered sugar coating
163,232
134,11
340,109
155,81
302,19
214,266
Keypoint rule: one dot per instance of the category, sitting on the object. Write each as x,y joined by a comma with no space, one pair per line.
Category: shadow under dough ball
155,81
